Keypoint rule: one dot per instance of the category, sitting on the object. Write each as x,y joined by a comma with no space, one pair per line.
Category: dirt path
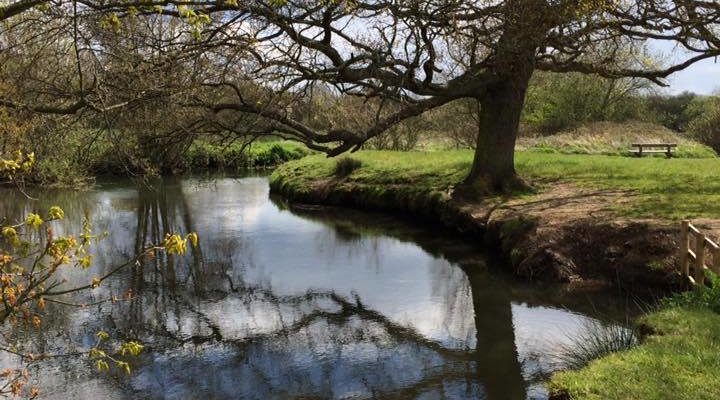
563,203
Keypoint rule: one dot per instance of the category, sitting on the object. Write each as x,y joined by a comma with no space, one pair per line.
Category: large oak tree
421,54
425,53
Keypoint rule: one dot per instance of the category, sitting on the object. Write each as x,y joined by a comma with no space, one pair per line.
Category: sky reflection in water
297,304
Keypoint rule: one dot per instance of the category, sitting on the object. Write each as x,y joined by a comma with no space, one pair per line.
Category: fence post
700,260
684,247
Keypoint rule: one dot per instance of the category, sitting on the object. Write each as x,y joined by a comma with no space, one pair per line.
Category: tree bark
493,168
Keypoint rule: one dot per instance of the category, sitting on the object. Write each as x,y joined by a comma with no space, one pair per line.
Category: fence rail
694,247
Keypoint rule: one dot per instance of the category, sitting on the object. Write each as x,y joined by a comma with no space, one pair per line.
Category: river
279,302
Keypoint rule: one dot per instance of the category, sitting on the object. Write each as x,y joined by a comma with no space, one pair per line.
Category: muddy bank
562,234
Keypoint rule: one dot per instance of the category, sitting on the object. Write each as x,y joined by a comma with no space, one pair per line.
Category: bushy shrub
345,166
596,340
673,112
204,155
274,155
60,172
705,126
559,102
402,137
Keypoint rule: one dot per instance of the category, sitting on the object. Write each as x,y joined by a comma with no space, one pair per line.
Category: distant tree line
556,103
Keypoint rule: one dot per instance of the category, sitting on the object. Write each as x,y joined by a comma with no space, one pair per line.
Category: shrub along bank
204,155
69,167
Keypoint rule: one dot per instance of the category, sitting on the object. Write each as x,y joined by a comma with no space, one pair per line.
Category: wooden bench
648,148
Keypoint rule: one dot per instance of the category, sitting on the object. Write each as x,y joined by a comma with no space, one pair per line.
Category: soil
572,234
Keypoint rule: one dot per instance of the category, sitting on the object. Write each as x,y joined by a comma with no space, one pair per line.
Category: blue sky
701,78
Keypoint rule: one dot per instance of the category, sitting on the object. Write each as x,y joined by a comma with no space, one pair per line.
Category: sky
702,77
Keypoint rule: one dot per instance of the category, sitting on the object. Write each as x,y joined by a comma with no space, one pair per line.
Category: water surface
281,302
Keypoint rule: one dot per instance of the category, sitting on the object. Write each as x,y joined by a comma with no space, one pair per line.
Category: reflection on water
295,304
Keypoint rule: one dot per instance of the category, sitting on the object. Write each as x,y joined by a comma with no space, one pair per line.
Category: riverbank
592,220
678,359
210,156
69,169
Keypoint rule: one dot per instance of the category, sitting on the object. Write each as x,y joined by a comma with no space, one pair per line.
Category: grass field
680,360
663,188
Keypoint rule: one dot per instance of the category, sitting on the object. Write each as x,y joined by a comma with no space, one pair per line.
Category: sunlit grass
680,361
662,188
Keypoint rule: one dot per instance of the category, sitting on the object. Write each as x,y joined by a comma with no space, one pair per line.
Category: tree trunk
498,365
493,168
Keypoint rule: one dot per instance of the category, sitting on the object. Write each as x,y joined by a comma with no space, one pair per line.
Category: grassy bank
678,360
70,167
608,138
659,187
204,155
678,357
200,156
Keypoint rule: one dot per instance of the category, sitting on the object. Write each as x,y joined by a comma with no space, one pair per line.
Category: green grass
423,170
662,188
679,361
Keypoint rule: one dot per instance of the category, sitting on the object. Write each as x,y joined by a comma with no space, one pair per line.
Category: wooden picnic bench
648,148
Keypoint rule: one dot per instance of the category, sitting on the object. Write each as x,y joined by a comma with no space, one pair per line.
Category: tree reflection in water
278,304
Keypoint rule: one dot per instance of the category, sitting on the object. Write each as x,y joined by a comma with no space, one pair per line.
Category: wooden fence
694,248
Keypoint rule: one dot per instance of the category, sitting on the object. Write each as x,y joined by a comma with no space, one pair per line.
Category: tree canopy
225,63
